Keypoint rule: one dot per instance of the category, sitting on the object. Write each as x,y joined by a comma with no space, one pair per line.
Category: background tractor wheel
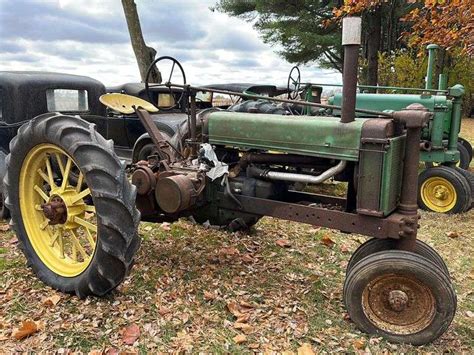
443,189
78,236
468,147
376,245
465,157
401,296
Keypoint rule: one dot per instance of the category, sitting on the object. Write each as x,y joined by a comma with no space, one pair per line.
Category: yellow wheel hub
56,209
438,194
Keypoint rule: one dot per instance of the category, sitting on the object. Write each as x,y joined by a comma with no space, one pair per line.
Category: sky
90,37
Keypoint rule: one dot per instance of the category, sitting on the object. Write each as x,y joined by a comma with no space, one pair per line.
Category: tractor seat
126,104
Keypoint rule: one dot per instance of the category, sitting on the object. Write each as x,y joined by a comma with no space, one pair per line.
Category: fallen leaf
452,234
239,339
246,328
130,334
5,227
470,314
305,349
111,351
27,328
344,248
284,243
209,296
359,344
243,318
51,301
234,308
95,352
327,241
229,251
254,346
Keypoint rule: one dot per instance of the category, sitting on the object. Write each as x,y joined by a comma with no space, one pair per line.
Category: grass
185,278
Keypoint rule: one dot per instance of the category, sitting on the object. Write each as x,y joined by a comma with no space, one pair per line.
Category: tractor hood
324,137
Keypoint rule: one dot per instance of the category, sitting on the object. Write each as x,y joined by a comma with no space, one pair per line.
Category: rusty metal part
175,193
398,304
349,79
193,124
318,216
161,144
275,99
305,178
426,146
144,179
55,211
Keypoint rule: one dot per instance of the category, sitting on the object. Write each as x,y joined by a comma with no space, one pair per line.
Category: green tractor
76,213
446,185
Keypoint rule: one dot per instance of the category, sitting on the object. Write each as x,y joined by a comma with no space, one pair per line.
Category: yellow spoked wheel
438,194
72,206
60,219
444,189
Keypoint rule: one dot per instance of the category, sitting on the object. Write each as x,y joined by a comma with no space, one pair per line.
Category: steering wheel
149,85
294,83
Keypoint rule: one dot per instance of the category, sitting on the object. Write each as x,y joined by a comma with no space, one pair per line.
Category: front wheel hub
398,300
55,211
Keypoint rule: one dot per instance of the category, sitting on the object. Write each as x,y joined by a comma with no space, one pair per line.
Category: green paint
322,137
432,48
392,175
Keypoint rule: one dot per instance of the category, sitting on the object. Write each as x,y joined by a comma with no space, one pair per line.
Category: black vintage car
24,95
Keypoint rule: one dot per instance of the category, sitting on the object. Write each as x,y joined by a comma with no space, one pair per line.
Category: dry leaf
359,344
246,328
5,227
130,334
234,308
344,248
27,328
327,241
305,349
470,314
209,296
283,243
244,318
166,226
51,301
229,251
239,339
452,234
111,351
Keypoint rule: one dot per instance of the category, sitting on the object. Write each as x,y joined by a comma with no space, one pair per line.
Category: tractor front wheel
443,189
79,234
401,296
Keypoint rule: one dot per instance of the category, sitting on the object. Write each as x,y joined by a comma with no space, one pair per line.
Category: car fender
143,140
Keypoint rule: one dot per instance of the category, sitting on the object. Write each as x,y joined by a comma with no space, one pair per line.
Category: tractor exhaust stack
351,38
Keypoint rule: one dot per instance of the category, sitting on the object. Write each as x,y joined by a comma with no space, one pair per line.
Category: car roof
135,89
20,78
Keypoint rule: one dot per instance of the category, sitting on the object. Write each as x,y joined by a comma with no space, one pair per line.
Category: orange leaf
240,338
305,349
283,243
5,227
27,328
327,241
130,334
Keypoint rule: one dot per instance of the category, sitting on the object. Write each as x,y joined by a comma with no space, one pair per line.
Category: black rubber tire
469,175
258,106
4,211
457,180
464,156
376,245
466,145
398,262
112,194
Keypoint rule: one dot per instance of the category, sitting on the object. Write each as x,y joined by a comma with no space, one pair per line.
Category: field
194,289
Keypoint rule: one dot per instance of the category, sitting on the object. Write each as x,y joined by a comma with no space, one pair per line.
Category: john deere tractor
230,168
446,185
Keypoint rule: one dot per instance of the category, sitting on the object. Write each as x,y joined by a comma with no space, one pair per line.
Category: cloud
90,37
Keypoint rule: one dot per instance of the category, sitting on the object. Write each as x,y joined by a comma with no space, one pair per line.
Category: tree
299,26
144,54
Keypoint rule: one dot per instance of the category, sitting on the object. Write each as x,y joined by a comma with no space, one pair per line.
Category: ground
276,288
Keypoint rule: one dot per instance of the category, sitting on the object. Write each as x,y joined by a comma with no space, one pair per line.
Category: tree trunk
144,54
373,46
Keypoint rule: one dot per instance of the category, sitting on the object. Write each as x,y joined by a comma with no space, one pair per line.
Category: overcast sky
90,37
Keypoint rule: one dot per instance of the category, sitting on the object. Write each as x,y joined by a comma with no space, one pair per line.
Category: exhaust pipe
304,178
351,38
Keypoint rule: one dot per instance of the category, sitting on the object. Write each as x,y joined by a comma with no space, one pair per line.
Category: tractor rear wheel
376,245
443,189
401,296
78,236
